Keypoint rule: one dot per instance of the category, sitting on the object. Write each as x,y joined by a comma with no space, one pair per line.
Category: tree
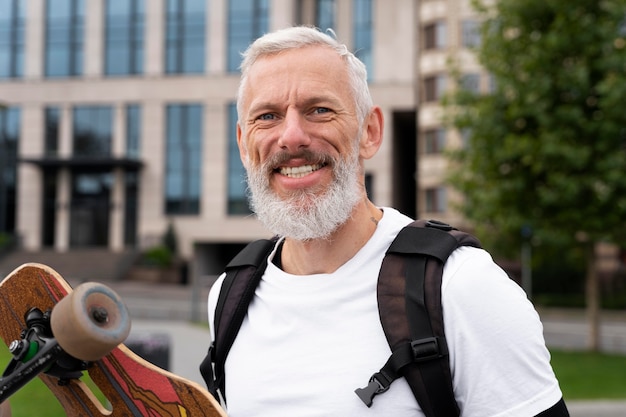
546,146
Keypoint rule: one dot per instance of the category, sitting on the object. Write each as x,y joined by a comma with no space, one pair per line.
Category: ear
243,151
372,136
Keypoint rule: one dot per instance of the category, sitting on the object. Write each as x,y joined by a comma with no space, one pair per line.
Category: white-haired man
312,333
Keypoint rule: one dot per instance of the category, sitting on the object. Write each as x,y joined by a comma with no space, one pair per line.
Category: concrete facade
399,65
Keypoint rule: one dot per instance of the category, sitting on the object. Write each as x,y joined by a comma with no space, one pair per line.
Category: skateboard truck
37,351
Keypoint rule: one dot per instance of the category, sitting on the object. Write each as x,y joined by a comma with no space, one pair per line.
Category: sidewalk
604,408
188,344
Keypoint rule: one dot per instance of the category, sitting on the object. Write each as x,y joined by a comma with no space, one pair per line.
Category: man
312,333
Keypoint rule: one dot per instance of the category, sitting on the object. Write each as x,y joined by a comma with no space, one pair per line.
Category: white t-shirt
309,341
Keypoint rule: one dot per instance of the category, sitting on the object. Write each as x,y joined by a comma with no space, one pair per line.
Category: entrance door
90,208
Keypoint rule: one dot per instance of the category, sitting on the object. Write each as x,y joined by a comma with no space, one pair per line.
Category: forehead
307,54
308,69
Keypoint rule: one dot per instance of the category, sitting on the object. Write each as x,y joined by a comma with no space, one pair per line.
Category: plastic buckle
374,388
429,348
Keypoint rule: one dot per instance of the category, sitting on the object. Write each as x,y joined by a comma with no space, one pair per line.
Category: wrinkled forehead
313,67
314,57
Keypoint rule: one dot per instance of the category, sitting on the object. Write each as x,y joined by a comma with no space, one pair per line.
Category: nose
294,136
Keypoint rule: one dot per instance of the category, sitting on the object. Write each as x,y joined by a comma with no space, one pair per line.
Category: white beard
305,215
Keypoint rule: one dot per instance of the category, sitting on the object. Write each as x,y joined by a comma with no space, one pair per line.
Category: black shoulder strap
409,301
243,274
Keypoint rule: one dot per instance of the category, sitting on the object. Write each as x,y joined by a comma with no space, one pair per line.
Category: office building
119,115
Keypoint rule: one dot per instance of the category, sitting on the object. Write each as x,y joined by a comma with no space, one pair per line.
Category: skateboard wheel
90,321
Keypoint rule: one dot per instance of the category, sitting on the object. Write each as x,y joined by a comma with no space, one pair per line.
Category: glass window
237,197
12,18
133,130
470,82
363,33
470,33
9,138
325,14
434,141
185,36
492,83
64,37
183,158
434,87
436,200
51,140
435,35
124,37
92,131
247,20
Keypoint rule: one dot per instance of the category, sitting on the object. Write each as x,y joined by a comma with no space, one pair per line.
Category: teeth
299,172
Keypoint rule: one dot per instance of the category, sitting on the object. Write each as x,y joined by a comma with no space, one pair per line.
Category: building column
282,14
62,220
64,185
154,38
29,178
94,34
34,42
116,223
344,23
217,37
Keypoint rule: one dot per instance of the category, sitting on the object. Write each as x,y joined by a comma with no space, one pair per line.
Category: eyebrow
259,107
263,106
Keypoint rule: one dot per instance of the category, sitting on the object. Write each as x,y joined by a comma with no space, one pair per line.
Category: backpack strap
409,303
243,274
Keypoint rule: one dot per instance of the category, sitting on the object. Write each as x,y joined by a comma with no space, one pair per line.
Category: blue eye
266,116
322,110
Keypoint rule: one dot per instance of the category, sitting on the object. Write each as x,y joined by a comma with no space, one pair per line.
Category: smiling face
301,143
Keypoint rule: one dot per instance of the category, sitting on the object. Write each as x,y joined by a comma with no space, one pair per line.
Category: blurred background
505,118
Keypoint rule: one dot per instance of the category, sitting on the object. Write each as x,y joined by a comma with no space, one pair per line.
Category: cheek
253,154
258,146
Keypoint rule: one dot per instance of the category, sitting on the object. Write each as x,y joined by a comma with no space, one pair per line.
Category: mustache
308,156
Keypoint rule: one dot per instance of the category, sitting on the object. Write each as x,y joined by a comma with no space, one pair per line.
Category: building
120,115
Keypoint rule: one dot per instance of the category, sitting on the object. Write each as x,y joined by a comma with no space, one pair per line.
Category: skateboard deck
132,386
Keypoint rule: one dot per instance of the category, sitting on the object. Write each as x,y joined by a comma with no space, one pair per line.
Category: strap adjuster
378,384
436,224
429,348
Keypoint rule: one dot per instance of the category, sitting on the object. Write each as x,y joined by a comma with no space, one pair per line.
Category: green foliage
547,146
169,239
158,256
558,271
35,399
164,254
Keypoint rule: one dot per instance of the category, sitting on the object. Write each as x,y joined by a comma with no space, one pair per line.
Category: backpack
409,303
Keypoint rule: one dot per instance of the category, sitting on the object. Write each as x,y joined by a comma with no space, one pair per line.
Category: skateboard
58,334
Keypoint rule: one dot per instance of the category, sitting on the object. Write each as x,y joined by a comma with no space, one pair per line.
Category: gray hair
299,37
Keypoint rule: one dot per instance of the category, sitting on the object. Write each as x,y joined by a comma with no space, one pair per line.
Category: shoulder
391,223
488,315
479,297
474,267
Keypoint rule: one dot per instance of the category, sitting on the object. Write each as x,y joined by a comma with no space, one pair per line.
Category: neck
319,256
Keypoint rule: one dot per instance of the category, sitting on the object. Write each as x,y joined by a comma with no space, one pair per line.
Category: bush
159,256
